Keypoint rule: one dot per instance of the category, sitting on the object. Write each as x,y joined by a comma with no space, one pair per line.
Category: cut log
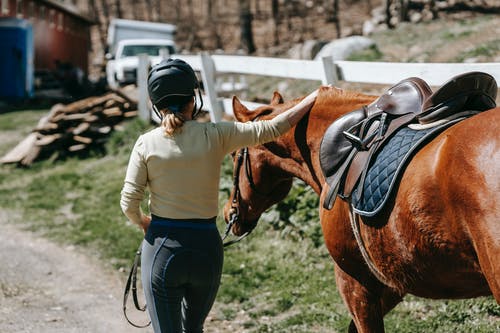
112,112
16,154
47,127
91,118
130,114
75,148
82,139
129,93
100,129
31,156
76,116
81,128
47,139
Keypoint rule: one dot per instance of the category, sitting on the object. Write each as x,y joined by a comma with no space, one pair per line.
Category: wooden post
208,77
330,71
142,87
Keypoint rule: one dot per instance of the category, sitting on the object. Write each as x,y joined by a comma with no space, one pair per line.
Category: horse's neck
304,142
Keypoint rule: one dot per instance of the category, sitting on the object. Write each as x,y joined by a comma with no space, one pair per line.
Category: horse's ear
277,99
239,110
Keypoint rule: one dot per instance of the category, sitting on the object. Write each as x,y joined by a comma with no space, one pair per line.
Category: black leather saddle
351,141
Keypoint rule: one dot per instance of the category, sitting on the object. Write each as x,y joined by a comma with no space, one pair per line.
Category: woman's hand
145,222
296,112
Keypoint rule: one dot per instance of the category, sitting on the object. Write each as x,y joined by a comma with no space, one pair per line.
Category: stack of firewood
73,128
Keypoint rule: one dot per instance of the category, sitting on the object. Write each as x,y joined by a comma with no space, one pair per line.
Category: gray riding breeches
181,270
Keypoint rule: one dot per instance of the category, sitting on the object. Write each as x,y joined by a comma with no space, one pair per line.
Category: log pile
74,128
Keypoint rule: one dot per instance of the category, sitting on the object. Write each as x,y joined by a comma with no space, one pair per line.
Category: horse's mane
328,98
334,96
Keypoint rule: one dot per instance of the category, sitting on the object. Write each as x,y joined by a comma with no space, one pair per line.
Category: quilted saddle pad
387,167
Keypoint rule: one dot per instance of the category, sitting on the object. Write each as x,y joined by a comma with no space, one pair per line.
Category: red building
61,32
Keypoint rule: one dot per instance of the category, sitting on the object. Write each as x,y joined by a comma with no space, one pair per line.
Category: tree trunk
119,12
388,14
105,14
193,41
102,35
337,21
246,27
212,25
276,21
151,15
403,11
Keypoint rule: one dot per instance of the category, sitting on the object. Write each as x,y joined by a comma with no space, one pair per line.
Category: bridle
234,213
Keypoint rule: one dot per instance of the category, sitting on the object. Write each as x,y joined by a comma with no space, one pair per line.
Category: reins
132,284
234,213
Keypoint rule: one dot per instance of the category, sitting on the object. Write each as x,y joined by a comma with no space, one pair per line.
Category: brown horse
439,237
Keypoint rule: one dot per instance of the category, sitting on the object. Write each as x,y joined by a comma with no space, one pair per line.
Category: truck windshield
152,50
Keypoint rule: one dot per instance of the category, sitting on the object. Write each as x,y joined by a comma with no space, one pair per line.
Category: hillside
278,280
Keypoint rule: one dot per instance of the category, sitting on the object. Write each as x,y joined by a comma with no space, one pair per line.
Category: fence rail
325,71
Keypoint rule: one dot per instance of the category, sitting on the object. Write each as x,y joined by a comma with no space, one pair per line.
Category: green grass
280,279
489,49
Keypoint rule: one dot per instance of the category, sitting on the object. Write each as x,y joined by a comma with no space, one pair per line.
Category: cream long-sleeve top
182,172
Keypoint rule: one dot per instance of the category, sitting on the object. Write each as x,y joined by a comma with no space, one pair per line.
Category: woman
180,164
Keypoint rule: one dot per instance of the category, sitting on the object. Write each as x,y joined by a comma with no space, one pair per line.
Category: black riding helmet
171,84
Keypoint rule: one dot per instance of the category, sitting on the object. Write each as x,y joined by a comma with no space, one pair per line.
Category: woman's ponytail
172,122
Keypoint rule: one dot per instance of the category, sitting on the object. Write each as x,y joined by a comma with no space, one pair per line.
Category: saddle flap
334,147
473,91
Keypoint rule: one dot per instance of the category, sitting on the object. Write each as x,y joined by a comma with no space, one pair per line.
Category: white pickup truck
121,69
129,38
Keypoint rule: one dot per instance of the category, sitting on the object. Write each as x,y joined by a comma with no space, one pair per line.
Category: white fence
325,70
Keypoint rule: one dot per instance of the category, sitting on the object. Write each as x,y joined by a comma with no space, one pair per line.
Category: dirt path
47,288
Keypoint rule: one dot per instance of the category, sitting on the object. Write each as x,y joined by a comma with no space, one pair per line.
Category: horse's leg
367,306
475,187
485,238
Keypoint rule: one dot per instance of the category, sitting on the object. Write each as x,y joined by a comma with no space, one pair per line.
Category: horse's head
263,174
258,181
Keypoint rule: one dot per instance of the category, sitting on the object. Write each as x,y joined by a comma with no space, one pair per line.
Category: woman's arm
295,113
236,135
134,186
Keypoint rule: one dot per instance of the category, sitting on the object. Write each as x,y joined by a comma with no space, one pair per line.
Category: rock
368,28
306,50
342,48
295,52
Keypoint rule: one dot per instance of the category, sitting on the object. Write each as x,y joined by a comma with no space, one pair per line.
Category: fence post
329,70
208,77
142,87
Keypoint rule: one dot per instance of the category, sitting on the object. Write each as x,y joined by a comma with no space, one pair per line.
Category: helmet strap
158,113
196,110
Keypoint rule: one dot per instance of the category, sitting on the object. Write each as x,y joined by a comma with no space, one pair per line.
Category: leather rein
234,213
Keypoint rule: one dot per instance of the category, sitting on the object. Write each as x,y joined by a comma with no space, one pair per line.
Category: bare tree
105,13
332,14
276,20
193,41
100,28
246,32
119,12
212,25
388,14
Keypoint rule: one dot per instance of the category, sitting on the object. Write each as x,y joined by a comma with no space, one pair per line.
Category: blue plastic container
16,59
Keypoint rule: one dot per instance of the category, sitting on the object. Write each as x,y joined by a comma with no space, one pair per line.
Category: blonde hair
172,122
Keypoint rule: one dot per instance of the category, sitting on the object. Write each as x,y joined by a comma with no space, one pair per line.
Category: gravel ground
48,288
